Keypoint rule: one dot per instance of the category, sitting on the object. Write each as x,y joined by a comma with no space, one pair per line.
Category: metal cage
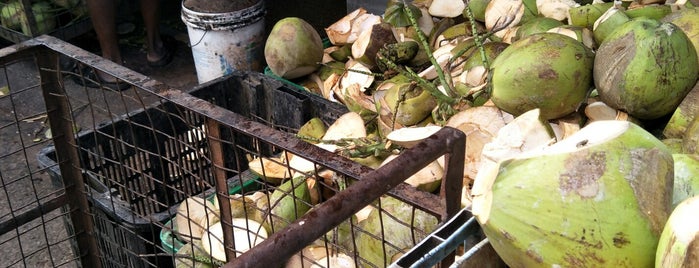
121,160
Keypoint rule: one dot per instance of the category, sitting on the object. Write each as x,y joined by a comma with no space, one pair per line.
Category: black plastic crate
138,175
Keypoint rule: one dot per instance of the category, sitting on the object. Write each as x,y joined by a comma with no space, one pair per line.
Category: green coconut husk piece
679,243
560,205
585,16
686,182
683,115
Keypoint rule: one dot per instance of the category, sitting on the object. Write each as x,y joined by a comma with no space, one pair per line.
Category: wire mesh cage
21,20
142,174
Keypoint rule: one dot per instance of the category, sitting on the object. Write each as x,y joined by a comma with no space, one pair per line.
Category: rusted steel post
59,114
280,246
214,138
452,185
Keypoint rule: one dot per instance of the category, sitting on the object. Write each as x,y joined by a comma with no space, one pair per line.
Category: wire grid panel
134,153
32,209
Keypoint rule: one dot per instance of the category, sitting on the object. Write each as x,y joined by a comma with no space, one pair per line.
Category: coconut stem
446,82
426,85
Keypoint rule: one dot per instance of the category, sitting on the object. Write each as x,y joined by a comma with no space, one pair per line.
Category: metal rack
122,161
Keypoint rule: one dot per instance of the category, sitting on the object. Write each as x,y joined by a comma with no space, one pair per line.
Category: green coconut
645,68
288,202
649,11
477,9
293,48
44,16
686,19
683,115
686,182
408,103
12,14
612,19
391,226
595,199
536,25
679,242
585,16
314,128
492,50
548,71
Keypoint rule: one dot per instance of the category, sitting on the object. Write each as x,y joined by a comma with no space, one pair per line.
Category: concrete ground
44,242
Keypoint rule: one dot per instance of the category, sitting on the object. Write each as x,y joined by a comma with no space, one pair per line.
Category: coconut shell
686,183
683,115
392,224
600,197
631,75
585,16
293,48
679,243
547,71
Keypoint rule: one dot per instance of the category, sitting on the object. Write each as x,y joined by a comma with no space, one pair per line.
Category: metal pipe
59,114
214,137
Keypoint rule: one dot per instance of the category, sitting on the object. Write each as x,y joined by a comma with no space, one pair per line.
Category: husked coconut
679,242
410,136
447,8
347,29
247,234
194,215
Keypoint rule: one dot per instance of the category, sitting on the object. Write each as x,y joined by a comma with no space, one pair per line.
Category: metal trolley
121,162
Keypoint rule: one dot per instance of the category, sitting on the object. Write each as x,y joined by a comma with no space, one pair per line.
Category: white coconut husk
679,245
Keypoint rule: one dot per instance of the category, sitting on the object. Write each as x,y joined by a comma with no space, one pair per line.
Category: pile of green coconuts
581,117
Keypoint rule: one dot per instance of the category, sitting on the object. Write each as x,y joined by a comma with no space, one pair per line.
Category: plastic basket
122,159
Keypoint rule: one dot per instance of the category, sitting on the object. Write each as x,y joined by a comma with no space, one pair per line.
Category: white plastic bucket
223,42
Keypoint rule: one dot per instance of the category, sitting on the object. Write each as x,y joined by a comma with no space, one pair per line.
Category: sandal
90,78
169,46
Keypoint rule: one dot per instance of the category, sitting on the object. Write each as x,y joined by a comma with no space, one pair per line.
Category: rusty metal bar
59,114
214,137
453,185
36,212
280,246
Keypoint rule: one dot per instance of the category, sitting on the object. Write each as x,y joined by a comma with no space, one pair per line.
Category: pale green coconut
548,71
598,198
686,19
536,25
585,16
645,68
288,202
686,182
392,225
293,48
683,115
679,243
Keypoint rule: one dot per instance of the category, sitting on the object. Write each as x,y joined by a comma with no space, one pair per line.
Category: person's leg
103,15
150,10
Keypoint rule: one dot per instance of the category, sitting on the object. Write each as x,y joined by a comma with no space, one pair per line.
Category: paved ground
44,242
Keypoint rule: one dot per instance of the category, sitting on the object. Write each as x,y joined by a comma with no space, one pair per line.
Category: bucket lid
223,21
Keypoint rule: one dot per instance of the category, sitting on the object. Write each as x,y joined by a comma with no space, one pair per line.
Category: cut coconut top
410,136
685,219
595,133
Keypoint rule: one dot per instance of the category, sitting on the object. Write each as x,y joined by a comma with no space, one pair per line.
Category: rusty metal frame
372,183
